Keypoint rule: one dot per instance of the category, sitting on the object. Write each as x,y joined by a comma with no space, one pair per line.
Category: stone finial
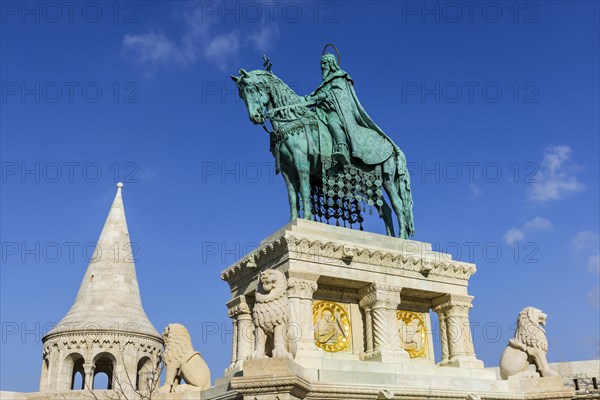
99,300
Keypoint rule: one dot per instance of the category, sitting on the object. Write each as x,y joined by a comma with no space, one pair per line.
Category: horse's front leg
303,168
291,181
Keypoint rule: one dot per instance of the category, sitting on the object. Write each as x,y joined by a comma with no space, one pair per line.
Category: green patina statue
334,159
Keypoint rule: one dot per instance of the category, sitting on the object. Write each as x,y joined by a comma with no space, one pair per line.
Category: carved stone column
88,375
368,330
455,331
145,382
300,294
380,303
243,331
443,336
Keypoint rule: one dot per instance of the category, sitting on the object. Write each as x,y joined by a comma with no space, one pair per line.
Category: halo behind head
337,52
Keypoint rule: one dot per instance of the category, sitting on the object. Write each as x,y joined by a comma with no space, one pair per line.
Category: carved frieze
318,250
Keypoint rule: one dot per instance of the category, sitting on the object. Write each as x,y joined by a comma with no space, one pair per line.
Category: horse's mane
282,95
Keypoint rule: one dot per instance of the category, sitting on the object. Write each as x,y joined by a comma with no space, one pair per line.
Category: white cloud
199,39
222,48
513,235
151,48
536,224
475,190
147,174
556,177
263,36
586,241
593,297
594,264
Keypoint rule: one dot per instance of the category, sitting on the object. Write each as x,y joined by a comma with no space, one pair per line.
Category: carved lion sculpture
529,346
271,314
181,361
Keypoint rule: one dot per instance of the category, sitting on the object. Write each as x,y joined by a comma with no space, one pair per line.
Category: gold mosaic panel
332,326
413,333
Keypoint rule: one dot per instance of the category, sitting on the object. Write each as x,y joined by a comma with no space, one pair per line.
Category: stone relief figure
182,362
270,315
410,335
332,326
329,328
413,333
529,346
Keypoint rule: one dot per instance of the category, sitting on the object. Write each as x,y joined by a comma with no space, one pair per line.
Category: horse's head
252,89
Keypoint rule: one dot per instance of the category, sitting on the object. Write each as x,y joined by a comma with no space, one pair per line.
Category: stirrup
341,157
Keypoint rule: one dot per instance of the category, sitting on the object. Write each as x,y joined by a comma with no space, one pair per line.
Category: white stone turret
106,330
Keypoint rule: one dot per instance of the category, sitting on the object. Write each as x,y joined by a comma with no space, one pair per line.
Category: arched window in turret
145,376
73,375
104,368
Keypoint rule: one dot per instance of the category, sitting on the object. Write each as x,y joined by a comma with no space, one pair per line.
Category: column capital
88,368
379,296
453,302
301,288
237,306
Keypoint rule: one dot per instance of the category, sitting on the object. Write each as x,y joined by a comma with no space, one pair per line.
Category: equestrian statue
334,158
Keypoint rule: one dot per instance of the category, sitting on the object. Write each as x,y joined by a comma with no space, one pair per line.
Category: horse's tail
403,185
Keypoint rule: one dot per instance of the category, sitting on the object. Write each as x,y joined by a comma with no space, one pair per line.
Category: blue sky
495,105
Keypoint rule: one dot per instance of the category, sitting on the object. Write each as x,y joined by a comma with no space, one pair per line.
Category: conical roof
109,296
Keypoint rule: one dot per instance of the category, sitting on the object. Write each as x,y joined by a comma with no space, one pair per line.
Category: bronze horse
299,150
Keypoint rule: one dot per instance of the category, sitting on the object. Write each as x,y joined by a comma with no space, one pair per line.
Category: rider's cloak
367,141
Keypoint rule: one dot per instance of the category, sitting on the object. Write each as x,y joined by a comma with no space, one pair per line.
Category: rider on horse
353,132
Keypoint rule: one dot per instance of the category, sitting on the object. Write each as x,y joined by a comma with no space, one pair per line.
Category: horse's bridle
277,136
269,116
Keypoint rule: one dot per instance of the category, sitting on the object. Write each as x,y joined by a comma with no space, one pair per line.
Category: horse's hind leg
392,190
385,212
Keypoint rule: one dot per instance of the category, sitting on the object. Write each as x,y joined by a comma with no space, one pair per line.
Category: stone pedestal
366,280
359,323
